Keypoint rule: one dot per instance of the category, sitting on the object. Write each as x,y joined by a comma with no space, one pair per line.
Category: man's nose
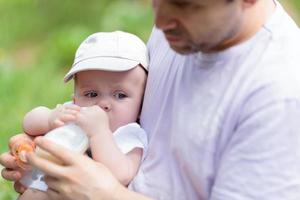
163,16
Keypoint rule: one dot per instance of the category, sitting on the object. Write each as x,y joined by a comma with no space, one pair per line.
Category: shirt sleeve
131,136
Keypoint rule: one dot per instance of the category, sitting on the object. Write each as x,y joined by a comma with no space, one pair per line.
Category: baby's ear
249,3
73,98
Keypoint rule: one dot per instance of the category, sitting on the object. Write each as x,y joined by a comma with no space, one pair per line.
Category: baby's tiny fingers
71,112
72,107
58,123
68,118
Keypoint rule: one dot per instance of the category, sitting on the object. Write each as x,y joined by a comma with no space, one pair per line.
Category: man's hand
12,171
78,175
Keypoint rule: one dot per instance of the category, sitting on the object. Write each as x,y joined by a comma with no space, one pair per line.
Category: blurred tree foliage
57,27
293,7
38,41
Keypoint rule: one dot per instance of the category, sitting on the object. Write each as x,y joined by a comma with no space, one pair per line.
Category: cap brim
101,63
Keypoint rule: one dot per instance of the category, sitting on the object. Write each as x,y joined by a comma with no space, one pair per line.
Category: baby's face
120,94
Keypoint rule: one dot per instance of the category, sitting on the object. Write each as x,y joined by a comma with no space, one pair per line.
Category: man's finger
19,187
63,154
7,160
48,167
53,195
52,183
11,175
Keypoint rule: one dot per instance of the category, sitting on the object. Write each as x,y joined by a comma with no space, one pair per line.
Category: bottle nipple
19,149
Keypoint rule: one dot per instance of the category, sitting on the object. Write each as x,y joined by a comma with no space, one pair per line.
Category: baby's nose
105,105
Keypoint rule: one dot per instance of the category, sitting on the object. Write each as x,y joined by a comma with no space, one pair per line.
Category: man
221,108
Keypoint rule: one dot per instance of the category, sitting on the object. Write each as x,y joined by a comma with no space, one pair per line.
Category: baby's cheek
84,103
122,120
132,115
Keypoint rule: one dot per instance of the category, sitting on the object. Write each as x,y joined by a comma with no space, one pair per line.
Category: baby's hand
93,120
63,114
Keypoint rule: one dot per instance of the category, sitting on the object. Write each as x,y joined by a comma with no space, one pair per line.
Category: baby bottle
70,136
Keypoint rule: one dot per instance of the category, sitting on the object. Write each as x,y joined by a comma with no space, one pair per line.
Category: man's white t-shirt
224,126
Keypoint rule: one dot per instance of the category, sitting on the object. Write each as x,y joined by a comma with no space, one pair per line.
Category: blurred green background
38,40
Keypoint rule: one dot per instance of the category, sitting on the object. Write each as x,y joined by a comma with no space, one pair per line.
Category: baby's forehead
114,81
102,87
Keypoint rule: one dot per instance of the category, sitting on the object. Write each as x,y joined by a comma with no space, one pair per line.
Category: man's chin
189,49
182,49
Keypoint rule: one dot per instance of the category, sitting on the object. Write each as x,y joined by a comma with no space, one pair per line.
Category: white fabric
109,51
131,136
126,137
224,126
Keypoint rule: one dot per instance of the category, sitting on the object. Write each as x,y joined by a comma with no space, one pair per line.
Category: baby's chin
114,127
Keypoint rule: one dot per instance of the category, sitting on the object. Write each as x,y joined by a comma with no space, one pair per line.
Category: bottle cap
19,150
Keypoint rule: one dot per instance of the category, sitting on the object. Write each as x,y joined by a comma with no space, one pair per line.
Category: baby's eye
91,94
120,95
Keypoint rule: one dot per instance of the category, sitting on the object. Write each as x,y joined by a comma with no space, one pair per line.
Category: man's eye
91,94
181,4
120,95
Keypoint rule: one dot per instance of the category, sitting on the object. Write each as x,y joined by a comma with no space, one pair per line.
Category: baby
109,73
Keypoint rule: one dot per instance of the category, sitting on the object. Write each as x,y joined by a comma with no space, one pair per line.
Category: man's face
198,25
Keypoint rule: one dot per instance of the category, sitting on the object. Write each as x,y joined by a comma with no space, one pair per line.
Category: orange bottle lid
19,149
